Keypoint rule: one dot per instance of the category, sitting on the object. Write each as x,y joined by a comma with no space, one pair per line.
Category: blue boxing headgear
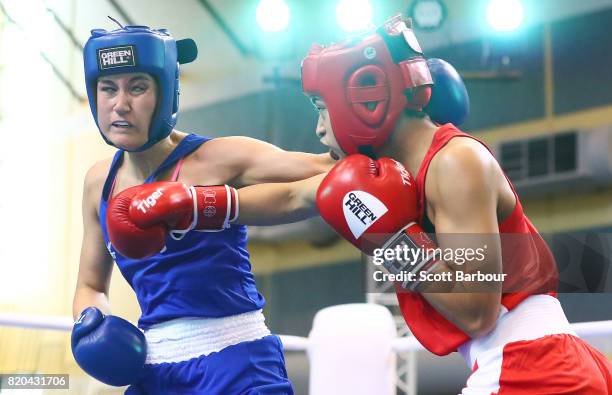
134,49
450,101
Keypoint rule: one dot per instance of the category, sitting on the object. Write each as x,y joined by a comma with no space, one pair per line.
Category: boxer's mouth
334,155
121,124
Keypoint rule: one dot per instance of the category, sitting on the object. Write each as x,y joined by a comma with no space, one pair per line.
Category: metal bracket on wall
73,39
488,75
56,70
222,24
278,80
122,12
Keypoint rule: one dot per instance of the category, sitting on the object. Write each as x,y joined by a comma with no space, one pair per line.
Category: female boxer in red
377,96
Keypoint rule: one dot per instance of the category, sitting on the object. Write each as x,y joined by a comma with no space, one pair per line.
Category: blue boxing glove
449,98
108,348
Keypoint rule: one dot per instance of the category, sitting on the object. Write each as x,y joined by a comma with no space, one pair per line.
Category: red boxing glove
215,207
167,205
127,238
373,204
140,217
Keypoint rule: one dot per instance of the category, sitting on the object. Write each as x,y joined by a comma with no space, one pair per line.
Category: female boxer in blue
204,331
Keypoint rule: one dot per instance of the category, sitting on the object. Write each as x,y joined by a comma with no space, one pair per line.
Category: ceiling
234,63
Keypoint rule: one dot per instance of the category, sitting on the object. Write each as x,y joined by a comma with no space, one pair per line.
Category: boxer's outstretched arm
96,265
278,203
464,198
251,161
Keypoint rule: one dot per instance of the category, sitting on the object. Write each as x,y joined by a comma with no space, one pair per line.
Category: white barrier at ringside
350,347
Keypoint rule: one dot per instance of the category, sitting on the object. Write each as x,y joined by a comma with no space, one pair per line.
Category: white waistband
535,317
185,338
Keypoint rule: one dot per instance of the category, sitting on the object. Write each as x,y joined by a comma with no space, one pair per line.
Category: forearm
458,278
273,204
473,306
85,297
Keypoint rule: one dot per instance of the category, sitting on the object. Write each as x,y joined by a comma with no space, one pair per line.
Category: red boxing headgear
367,83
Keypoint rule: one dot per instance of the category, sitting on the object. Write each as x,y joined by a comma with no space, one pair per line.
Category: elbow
296,206
480,326
482,319
294,199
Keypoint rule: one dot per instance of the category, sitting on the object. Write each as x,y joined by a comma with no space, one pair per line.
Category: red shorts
534,350
553,364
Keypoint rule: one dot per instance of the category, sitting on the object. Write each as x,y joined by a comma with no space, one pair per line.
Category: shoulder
95,178
228,148
98,171
464,167
218,160
461,157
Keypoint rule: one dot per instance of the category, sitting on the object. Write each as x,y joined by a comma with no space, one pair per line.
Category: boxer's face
126,103
324,131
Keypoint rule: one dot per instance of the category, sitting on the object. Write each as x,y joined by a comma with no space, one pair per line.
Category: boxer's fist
181,208
108,348
373,204
363,199
139,218
126,237
165,204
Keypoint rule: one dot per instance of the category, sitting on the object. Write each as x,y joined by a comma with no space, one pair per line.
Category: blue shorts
253,367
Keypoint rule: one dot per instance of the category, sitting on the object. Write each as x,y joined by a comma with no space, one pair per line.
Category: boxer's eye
137,89
318,104
108,89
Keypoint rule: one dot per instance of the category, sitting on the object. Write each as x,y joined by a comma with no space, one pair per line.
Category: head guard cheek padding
367,83
134,49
